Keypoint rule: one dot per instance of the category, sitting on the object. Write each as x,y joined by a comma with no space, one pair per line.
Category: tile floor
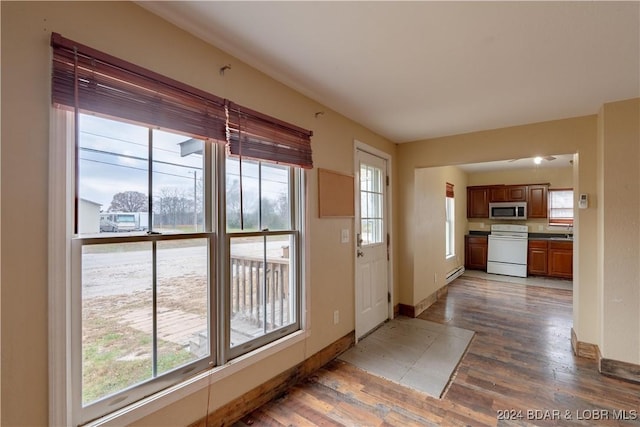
424,355
413,352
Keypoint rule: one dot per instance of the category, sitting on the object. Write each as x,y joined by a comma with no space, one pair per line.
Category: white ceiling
418,70
553,161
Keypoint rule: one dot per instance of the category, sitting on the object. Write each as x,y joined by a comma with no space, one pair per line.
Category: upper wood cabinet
479,197
508,193
477,202
537,201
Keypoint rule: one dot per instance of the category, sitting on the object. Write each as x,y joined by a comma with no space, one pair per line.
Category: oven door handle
506,238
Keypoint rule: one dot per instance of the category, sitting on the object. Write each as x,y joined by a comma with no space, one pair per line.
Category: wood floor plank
519,370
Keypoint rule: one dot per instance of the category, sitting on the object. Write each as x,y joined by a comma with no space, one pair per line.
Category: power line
144,145
135,168
143,159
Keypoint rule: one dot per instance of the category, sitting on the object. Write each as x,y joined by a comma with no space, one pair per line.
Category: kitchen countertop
532,236
551,236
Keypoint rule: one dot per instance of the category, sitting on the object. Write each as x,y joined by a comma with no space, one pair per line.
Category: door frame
361,146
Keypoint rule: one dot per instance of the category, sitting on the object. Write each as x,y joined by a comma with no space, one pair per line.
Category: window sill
201,381
448,257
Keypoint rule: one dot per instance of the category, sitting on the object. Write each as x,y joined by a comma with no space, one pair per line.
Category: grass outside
117,355
117,352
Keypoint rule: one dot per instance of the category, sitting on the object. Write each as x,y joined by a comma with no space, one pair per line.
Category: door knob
360,253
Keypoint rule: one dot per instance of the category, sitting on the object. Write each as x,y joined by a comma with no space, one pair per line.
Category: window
144,284
561,207
450,214
184,218
263,241
371,204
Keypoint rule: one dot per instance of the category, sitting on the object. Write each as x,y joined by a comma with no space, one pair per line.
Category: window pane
262,286
178,185
113,167
561,198
245,215
116,317
275,197
182,302
364,205
560,206
266,198
371,205
450,226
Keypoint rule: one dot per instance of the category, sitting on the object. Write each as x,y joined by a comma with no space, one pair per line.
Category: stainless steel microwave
508,210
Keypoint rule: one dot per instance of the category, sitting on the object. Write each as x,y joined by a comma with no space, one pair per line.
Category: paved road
118,273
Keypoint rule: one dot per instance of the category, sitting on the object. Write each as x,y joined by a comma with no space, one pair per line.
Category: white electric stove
507,253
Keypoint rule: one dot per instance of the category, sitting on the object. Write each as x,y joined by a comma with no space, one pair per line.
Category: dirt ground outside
117,309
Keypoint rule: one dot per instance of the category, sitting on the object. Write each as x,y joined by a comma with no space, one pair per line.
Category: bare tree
174,207
129,201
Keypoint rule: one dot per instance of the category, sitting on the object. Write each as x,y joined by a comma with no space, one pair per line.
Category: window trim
451,220
62,199
560,222
297,218
60,297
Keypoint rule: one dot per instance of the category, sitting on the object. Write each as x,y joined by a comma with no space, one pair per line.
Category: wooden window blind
255,135
449,190
93,81
103,84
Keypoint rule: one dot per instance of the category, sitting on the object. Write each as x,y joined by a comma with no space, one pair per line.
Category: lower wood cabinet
551,258
560,259
537,258
476,248
545,257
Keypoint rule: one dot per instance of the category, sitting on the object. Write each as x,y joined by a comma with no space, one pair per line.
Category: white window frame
560,221
62,355
450,228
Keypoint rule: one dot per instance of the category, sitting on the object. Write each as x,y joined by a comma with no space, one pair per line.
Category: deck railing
260,292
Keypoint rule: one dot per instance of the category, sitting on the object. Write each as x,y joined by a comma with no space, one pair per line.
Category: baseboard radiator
454,274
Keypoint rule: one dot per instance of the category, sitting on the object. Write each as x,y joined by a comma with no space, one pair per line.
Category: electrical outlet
344,235
336,317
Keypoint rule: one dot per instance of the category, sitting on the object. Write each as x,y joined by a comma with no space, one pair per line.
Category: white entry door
372,289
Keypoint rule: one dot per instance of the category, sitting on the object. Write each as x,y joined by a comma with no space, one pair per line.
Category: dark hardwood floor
518,370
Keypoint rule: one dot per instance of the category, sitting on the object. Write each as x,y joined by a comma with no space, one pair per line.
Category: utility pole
195,201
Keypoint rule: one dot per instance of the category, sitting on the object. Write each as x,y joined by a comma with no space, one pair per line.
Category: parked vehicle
106,225
124,221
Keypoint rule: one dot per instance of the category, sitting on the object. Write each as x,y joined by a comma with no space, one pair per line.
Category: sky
113,158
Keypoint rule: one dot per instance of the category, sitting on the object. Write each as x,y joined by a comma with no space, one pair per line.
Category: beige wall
574,135
606,309
131,33
429,231
619,226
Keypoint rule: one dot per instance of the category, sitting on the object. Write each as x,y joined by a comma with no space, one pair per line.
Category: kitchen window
179,219
561,207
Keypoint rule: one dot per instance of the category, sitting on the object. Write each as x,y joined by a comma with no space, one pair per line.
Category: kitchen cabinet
476,248
560,262
479,197
508,193
537,200
537,258
477,202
